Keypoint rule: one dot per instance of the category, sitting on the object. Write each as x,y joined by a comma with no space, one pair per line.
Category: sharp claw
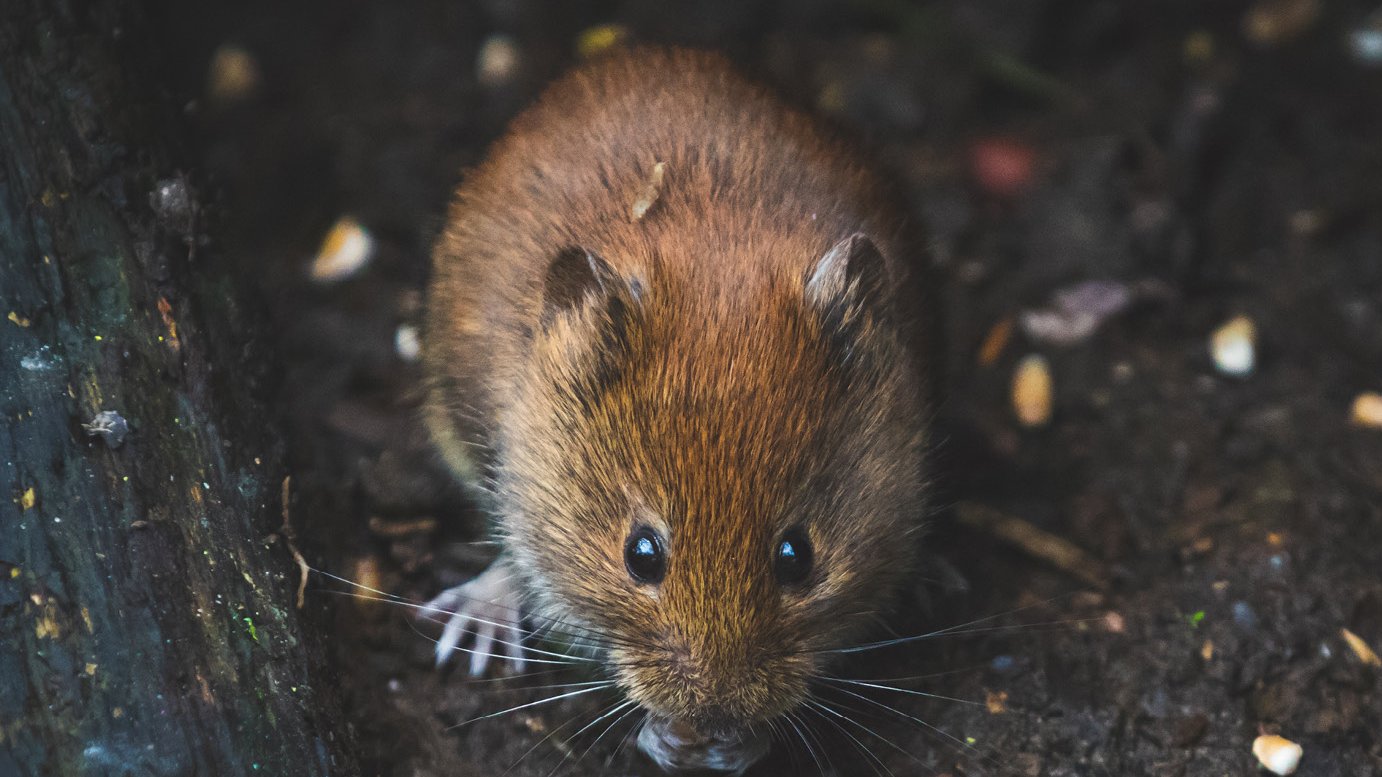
479,656
451,636
515,651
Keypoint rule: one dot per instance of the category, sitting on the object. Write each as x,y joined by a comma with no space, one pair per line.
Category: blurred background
1160,230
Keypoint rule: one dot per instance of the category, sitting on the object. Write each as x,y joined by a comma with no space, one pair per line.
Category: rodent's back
739,167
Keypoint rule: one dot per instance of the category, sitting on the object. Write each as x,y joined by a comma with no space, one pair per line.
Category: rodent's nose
678,745
679,734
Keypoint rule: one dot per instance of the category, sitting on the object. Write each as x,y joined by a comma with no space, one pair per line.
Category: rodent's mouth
676,746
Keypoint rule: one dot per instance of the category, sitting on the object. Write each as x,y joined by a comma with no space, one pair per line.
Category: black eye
644,557
792,561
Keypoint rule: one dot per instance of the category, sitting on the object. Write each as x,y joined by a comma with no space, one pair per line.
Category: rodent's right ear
574,275
852,265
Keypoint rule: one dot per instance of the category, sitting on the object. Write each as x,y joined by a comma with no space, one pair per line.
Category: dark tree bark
147,618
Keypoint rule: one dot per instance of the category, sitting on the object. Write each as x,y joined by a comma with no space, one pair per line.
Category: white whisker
791,721
868,754
628,707
901,690
548,700
987,758
624,741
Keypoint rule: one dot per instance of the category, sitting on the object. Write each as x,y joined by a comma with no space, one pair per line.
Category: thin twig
288,536
1038,543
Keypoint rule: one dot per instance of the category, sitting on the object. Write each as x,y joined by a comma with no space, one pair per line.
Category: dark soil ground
1237,521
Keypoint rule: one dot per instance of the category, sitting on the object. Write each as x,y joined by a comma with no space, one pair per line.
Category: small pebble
406,342
1114,623
1234,347
233,76
345,250
1365,42
175,203
109,426
1277,755
1366,46
1031,391
996,702
1003,663
1244,615
1367,410
498,60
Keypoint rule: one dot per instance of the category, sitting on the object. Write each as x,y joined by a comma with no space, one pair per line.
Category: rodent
677,342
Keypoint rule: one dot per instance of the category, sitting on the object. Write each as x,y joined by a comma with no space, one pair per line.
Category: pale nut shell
346,249
1234,347
1276,754
1367,410
1032,391
498,60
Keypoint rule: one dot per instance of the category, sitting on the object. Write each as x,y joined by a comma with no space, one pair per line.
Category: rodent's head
720,489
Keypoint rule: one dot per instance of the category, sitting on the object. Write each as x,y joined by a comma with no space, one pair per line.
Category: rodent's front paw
489,608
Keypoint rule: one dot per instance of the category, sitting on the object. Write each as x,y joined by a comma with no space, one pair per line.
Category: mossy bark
147,616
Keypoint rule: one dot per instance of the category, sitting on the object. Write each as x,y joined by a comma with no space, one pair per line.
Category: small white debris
1367,410
345,250
1365,42
1277,755
406,342
498,60
233,75
176,204
1076,312
1366,46
109,426
648,195
1031,391
1234,347
41,360
1360,648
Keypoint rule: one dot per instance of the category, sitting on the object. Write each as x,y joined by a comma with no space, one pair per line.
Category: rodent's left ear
575,275
852,267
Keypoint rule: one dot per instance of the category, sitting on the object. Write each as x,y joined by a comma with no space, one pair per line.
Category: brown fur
699,390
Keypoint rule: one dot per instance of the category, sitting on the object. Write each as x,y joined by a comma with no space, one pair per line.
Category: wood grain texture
147,624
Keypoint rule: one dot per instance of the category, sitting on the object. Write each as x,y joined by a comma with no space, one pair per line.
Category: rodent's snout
677,745
706,712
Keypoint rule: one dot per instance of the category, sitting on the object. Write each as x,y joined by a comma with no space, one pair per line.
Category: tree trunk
147,612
